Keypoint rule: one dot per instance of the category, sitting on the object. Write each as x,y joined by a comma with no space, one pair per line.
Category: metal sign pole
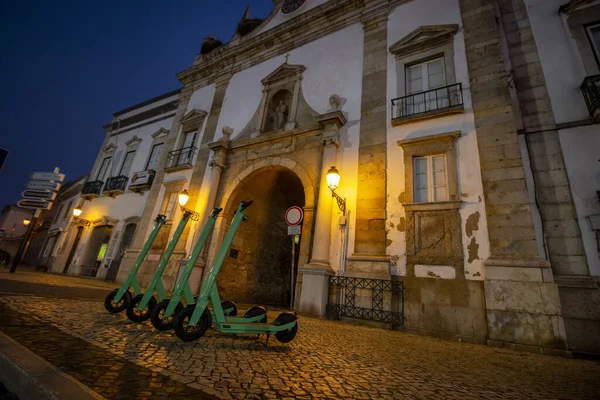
292,274
25,242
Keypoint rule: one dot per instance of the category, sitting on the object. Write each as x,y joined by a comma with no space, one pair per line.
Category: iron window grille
181,158
116,184
438,99
347,293
92,188
591,93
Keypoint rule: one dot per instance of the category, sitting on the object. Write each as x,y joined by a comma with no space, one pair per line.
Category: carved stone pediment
133,141
284,72
282,107
162,132
193,120
423,38
111,147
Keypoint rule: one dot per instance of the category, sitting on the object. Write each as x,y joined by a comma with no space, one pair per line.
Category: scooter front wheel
137,315
113,306
158,319
289,334
187,332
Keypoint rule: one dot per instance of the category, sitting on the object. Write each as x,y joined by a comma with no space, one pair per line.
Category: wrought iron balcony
115,185
92,189
180,159
591,93
428,104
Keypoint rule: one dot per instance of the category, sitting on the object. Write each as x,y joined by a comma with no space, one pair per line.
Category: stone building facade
466,156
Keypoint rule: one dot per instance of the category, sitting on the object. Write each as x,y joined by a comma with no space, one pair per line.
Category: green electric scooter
141,306
162,315
192,321
118,300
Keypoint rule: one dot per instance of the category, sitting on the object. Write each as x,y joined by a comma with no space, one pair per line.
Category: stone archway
258,269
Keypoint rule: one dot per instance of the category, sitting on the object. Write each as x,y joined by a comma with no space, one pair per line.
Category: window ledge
178,168
459,109
436,206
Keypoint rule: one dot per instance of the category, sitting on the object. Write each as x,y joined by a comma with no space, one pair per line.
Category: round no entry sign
294,215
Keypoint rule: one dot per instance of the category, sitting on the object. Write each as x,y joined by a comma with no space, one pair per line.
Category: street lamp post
31,224
76,213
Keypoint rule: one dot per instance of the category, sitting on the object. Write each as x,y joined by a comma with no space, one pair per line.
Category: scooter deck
256,327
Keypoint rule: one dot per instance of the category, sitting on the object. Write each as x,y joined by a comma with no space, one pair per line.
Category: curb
31,377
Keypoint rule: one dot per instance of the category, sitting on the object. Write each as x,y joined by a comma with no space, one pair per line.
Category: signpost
293,217
39,196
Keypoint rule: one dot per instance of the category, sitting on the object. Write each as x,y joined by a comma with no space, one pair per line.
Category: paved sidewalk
327,359
118,358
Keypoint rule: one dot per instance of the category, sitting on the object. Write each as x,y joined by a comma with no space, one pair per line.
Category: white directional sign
47,195
35,204
47,176
294,230
43,185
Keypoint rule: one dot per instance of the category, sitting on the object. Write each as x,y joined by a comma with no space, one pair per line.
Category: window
154,157
168,208
60,209
186,153
102,172
430,179
126,167
593,33
66,210
425,76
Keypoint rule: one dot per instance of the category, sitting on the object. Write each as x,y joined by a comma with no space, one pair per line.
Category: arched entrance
258,269
96,250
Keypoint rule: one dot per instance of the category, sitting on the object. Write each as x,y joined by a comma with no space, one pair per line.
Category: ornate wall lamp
333,180
76,213
183,198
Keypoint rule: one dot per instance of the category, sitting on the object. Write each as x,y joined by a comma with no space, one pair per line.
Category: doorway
126,240
258,268
96,250
73,248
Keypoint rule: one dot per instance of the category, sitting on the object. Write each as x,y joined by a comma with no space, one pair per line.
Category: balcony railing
115,185
92,189
591,93
443,100
180,159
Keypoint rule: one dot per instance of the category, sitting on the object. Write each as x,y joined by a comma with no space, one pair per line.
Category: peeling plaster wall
403,21
333,66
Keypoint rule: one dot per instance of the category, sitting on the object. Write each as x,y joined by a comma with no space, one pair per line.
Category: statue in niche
279,116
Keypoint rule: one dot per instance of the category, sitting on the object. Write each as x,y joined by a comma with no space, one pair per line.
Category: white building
115,194
467,155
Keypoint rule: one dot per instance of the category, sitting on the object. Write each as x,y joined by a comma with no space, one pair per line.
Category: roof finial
286,58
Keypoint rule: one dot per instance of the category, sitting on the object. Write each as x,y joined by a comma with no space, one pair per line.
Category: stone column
315,274
206,201
522,300
369,259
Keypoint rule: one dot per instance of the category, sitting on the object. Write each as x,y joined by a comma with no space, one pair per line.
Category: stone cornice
268,139
307,27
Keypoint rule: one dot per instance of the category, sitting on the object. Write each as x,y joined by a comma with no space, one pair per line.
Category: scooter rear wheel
136,315
113,306
158,319
187,332
289,334
255,312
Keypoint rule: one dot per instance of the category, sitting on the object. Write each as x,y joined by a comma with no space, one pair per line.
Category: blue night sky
66,66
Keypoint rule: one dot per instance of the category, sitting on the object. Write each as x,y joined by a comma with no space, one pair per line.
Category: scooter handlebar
246,204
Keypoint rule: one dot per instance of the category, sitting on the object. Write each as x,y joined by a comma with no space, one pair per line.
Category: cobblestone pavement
326,360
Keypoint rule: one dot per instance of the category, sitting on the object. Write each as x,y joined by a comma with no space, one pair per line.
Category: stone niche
282,106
